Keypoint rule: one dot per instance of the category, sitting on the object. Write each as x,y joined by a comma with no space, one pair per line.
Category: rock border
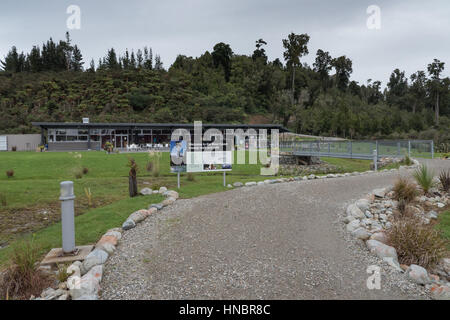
367,220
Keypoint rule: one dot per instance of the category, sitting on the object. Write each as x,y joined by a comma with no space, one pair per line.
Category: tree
77,59
35,59
221,56
398,87
111,60
158,63
296,46
343,67
434,70
322,66
418,88
260,52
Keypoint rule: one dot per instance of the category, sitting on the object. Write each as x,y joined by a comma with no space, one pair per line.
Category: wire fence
363,149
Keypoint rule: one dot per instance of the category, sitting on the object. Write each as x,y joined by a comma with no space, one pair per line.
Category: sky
412,32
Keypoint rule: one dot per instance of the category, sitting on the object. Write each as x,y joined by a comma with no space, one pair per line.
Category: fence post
351,149
432,149
409,148
375,160
376,144
67,216
398,149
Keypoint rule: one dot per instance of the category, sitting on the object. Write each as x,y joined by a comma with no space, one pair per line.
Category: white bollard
67,217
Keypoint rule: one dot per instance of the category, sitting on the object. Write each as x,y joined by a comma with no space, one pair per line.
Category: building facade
58,136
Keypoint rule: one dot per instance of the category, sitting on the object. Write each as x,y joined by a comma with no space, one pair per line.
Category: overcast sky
412,34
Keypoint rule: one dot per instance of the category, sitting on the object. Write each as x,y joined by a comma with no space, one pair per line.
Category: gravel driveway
279,241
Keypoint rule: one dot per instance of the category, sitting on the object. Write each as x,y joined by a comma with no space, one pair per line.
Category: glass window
60,138
72,138
95,138
61,131
82,138
82,131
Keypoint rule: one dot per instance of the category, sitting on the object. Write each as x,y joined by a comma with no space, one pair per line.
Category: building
20,142
61,136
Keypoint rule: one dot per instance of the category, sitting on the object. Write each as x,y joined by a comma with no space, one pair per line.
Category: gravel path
279,241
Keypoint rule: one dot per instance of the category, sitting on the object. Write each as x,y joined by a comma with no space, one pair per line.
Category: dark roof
169,126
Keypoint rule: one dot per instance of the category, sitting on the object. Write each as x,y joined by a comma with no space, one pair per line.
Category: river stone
361,233
162,190
146,191
363,204
379,236
260,183
353,225
250,184
129,224
348,219
115,234
96,257
432,215
137,217
381,250
418,274
440,292
158,206
168,202
238,184
379,193
89,284
353,210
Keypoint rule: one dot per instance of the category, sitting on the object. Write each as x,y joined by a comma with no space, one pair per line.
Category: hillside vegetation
51,83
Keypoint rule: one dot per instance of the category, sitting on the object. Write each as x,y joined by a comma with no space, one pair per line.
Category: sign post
178,175
224,179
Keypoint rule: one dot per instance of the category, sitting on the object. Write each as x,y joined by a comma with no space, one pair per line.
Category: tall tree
221,56
322,66
418,88
434,70
296,46
77,59
343,67
398,87
111,60
260,52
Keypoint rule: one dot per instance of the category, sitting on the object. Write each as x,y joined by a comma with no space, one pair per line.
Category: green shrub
407,160
424,177
10,173
22,278
62,274
404,190
444,178
416,243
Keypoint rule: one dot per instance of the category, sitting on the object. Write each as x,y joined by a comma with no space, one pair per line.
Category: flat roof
171,126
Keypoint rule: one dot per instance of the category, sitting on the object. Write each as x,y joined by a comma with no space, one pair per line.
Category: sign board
184,158
178,153
209,161
3,143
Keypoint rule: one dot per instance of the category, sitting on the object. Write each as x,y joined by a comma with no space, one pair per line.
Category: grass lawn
29,200
444,225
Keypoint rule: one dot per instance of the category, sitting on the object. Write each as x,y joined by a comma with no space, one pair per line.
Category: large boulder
418,274
158,206
384,252
171,193
162,190
96,257
169,201
353,210
363,204
250,184
88,285
238,184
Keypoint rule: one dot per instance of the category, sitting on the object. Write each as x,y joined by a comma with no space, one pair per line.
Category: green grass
38,175
444,225
349,165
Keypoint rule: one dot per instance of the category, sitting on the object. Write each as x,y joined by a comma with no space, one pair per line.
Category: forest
52,83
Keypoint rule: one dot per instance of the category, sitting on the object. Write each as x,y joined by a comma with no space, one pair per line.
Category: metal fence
363,149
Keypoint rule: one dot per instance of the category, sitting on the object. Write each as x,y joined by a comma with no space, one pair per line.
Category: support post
398,149
375,160
67,217
351,149
432,149
224,179
178,176
409,148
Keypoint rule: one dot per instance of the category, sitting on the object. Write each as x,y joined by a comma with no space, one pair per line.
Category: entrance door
121,141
